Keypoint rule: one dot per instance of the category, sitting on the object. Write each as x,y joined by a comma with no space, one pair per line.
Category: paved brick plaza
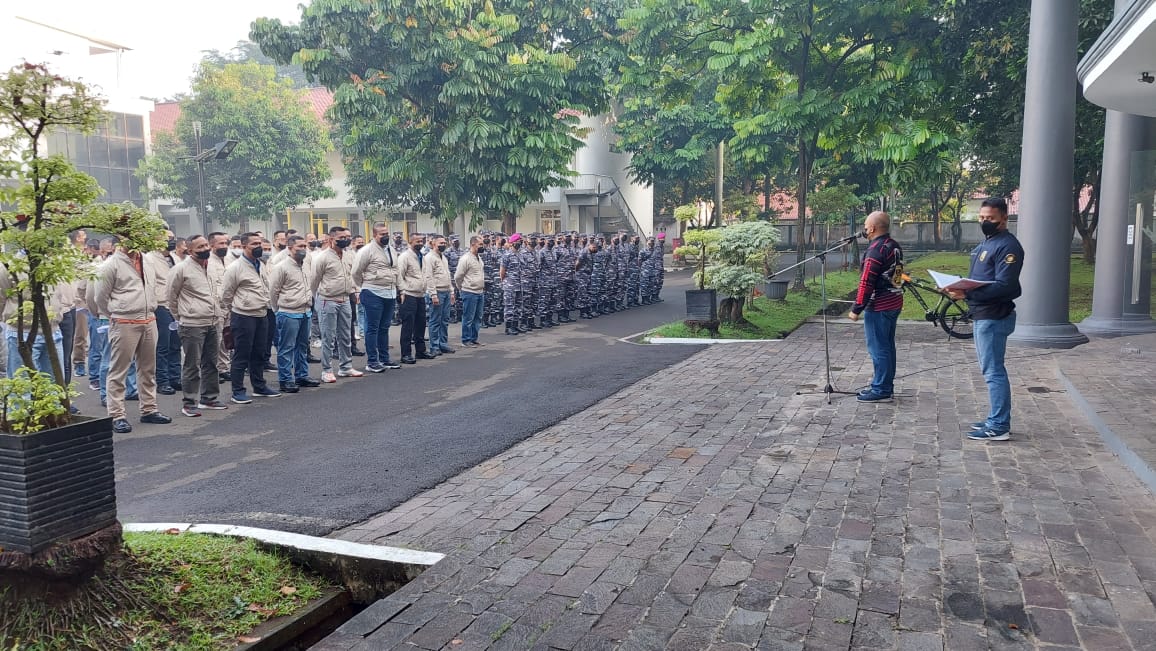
710,507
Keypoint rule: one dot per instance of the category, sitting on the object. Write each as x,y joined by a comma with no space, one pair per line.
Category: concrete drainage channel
368,572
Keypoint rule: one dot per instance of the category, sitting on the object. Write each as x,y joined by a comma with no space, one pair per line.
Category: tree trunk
801,201
731,310
509,224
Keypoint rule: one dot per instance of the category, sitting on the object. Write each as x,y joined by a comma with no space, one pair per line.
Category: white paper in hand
948,281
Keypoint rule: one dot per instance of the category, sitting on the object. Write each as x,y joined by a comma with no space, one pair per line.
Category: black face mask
989,228
397,240
171,245
256,253
441,248
221,252
280,247
343,243
417,247
383,241
517,245
203,255
299,256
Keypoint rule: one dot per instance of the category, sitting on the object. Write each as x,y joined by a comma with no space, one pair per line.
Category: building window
550,222
111,156
406,222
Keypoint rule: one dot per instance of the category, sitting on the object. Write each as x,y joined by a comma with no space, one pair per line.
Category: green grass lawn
774,319
184,591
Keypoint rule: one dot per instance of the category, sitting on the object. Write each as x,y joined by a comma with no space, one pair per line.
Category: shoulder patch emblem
1010,259
982,256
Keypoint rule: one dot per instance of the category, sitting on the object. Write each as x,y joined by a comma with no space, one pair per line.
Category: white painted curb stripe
297,541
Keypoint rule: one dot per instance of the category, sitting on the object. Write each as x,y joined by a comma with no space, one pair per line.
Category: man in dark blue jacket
999,259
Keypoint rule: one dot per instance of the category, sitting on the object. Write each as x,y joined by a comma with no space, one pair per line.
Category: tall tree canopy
279,161
453,108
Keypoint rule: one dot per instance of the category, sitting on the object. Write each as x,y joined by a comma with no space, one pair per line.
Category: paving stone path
714,506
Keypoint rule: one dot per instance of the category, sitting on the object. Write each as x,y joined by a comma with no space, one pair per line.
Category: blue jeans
378,313
168,349
437,316
990,345
472,307
95,348
880,331
292,348
39,353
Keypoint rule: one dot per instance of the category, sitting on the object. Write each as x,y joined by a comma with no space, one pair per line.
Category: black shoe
313,359
289,388
521,326
408,360
356,353
121,426
223,378
165,389
308,382
176,386
511,330
270,367
132,397
156,418
448,350
426,356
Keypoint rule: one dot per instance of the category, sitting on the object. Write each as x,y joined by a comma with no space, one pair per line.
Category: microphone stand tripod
822,258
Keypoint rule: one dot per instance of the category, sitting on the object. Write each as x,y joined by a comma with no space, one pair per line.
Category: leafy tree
991,39
453,108
746,253
279,161
246,51
51,199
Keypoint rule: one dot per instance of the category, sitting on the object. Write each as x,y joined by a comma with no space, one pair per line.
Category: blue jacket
999,258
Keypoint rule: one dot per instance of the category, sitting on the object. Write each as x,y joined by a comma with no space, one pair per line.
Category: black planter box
701,305
56,485
776,289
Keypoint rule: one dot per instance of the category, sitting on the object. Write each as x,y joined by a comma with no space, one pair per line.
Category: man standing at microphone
881,298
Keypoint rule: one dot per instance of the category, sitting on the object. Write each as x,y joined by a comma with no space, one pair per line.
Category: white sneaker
328,378
350,373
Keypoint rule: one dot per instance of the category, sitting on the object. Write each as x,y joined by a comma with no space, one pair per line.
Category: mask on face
299,256
203,255
989,228
221,252
236,253
265,255
280,247
171,245
517,245
383,241
343,243
417,247
441,248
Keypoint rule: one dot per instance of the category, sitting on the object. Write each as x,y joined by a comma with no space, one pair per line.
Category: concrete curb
369,571
699,341
1133,461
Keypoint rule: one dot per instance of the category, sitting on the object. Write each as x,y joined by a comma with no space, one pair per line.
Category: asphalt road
337,455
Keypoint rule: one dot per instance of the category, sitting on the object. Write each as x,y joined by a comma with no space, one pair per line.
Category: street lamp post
220,151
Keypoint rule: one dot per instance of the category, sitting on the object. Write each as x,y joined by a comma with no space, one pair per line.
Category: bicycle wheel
955,318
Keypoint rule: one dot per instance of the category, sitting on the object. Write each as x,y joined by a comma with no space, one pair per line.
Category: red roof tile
164,117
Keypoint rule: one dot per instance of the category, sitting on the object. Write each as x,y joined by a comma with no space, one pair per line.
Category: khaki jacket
411,276
159,261
332,277
217,267
193,296
376,266
243,290
59,301
122,292
437,271
289,287
471,274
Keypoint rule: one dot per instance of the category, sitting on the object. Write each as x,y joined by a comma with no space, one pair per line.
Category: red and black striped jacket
876,290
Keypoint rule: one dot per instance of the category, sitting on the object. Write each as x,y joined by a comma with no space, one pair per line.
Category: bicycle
950,314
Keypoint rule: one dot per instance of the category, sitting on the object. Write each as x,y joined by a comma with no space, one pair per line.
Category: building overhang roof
1112,69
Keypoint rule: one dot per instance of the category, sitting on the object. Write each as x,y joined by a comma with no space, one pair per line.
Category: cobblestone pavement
713,506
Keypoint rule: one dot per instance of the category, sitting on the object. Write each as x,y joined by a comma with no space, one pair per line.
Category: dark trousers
250,350
168,349
67,331
413,323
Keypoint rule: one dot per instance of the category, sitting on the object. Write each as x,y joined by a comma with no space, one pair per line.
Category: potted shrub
56,468
701,303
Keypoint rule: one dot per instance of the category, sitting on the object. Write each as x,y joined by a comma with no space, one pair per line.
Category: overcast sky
166,37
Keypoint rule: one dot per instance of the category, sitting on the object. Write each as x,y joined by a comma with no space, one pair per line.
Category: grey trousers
199,378
335,319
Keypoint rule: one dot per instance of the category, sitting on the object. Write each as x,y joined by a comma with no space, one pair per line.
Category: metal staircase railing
602,185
